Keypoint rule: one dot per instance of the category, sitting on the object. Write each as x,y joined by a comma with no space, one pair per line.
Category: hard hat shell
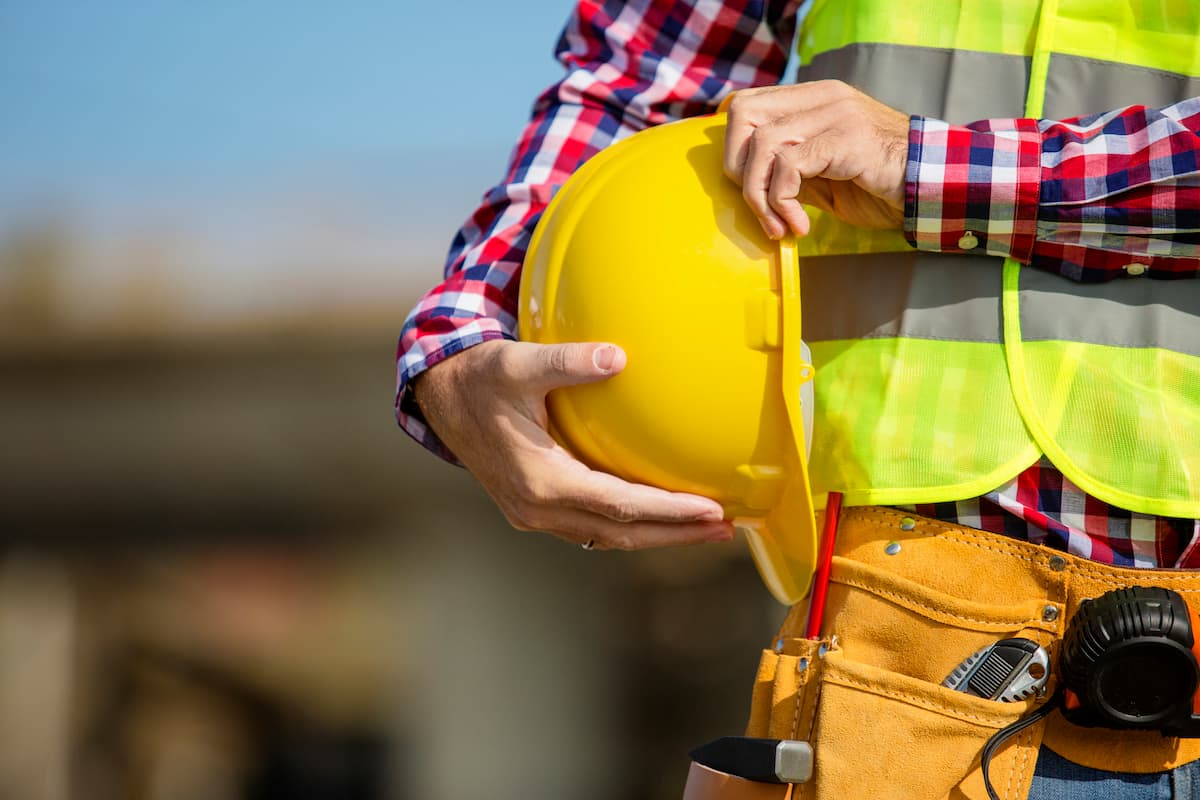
650,246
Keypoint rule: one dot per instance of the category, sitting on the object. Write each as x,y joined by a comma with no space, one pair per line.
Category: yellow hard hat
650,246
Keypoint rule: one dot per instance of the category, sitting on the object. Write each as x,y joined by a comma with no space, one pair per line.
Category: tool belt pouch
869,699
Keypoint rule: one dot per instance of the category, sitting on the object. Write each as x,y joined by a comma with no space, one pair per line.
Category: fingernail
769,228
723,536
713,515
603,358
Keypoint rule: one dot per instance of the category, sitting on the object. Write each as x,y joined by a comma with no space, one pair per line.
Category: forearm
1085,197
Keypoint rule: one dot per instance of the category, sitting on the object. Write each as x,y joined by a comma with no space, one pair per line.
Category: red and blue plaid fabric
1042,506
1087,198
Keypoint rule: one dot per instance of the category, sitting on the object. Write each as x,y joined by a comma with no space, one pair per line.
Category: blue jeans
1055,778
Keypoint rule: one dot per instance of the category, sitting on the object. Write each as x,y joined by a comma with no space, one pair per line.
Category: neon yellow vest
940,377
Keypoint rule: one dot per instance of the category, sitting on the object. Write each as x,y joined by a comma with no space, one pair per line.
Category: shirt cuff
414,362
973,188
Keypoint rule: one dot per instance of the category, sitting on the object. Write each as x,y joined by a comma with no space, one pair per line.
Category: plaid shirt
1087,198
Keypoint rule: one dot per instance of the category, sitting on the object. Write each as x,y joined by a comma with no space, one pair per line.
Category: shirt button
1135,269
967,241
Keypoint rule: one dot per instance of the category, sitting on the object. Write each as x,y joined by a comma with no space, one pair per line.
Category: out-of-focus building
225,574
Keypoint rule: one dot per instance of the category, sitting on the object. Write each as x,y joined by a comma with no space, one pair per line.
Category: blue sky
210,91
241,127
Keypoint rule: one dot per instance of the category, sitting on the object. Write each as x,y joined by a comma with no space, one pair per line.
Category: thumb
578,362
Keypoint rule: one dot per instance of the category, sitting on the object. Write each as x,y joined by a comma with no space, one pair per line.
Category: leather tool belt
910,598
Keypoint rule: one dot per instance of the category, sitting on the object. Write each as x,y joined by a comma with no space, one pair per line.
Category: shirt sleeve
1091,198
629,64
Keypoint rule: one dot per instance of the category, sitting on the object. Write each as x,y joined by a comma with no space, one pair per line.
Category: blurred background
224,572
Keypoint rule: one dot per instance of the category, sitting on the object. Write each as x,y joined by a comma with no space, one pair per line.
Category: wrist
974,188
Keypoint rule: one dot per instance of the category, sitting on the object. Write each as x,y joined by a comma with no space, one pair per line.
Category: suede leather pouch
911,598
868,695
786,690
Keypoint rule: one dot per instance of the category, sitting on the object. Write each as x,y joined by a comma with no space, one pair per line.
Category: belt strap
708,784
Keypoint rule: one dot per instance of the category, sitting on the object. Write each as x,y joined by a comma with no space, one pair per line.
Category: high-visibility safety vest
942,376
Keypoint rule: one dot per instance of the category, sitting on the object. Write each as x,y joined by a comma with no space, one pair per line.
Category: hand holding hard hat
650,246
487,404
824,144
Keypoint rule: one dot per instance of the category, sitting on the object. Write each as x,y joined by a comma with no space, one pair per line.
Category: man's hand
823,143
488,404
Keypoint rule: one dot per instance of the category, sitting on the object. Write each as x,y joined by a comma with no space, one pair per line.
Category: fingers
781,139
541,368
581,526
779,156
544,475
756,181
621,501
487,404
751,109
632,521
551,491
782,197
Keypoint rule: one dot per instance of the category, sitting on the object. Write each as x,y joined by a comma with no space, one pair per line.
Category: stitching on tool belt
986,541
1151,578
800,687
812,683
989,722
931,528
1008,786
1002,624
1025,765
800,790
1017,768
928,526
812,721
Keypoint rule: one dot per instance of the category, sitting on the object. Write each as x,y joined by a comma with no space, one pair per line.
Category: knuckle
507,361
516,517
623,541
754,197
744,101
530,517
767,136
534,492
794,156
556,359
838,87
816,149
621,511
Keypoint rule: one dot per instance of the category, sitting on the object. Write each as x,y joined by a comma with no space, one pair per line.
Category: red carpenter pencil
820,584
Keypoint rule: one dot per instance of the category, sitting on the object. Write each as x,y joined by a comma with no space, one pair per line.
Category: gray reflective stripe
957,298
962,86
1079,86
1128,312
958,86
913,294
